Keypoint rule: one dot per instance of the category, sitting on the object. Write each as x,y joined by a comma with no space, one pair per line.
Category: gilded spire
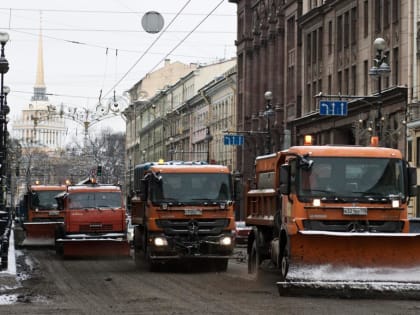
40,88
40,68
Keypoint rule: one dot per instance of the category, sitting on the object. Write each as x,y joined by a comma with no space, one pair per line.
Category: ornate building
37,128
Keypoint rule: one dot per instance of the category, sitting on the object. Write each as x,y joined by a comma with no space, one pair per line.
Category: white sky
76,35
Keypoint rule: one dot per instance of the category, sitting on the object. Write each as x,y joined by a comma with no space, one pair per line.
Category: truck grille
95,227
203,226
57,219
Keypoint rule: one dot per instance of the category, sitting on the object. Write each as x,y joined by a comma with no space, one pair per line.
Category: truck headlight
316,202
226,240
160,241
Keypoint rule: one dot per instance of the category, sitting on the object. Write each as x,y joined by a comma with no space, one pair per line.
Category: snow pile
349,282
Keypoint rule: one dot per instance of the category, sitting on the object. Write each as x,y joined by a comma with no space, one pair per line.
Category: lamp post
130,174
379,69
4,67
208,138
268,95
4,121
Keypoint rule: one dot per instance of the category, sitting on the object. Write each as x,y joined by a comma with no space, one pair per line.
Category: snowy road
47,284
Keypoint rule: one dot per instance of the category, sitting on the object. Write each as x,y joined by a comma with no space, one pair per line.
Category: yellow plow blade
355,249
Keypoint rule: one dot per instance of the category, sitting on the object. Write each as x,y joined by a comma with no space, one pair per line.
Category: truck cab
94,220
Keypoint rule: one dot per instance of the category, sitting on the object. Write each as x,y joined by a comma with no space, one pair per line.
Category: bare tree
105,149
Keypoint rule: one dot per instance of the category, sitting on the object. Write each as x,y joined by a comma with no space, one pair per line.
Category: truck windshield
191,188
44,200
95,200
355,178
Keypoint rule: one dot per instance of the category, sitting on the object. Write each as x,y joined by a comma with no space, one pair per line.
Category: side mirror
60,204
143,189
412,181
237,188
284,179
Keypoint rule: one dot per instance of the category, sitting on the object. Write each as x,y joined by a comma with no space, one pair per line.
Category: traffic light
99,170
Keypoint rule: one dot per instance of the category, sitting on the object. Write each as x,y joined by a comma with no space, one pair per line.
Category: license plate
53,213
355,211
193,212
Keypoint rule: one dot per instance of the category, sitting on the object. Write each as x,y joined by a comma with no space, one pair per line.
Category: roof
185,167
90,188
345,151
47,187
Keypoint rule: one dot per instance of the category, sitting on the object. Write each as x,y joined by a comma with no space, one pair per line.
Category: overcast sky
100,45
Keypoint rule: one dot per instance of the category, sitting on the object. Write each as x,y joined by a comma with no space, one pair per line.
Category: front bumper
184,247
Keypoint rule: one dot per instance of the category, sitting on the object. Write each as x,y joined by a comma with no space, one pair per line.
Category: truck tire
283,261
221,264
152,264
284,264
138,247
254,260
59,233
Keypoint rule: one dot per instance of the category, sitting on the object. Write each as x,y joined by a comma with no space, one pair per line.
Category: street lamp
171,148
380,69
268,95
4,67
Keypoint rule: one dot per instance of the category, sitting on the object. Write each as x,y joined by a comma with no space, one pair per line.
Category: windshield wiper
335,198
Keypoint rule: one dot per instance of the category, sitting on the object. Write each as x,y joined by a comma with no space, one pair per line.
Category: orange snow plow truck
183,211
41,215
94,221
338,205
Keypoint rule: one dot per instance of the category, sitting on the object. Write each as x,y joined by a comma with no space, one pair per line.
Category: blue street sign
233,139
333,108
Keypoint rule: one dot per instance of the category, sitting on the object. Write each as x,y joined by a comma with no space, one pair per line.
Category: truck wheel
254,261
138,247
221,264
59,233
284,265
153,266
137,257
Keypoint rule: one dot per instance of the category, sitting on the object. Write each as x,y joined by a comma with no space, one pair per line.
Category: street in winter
209,157
43,283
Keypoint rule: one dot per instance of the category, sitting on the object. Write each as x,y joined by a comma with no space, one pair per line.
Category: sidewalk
8,278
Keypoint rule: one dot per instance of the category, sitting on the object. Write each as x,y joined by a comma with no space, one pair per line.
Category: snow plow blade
351,289
39,233
353,265
94,248
355,249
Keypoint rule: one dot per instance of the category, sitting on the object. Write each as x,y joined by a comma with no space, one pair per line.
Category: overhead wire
91,45
185,38
99,11
147,51
172,50
148,48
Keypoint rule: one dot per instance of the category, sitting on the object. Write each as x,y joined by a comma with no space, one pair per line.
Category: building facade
308,53
185,120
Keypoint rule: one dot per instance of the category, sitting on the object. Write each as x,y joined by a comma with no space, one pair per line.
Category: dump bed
262,197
